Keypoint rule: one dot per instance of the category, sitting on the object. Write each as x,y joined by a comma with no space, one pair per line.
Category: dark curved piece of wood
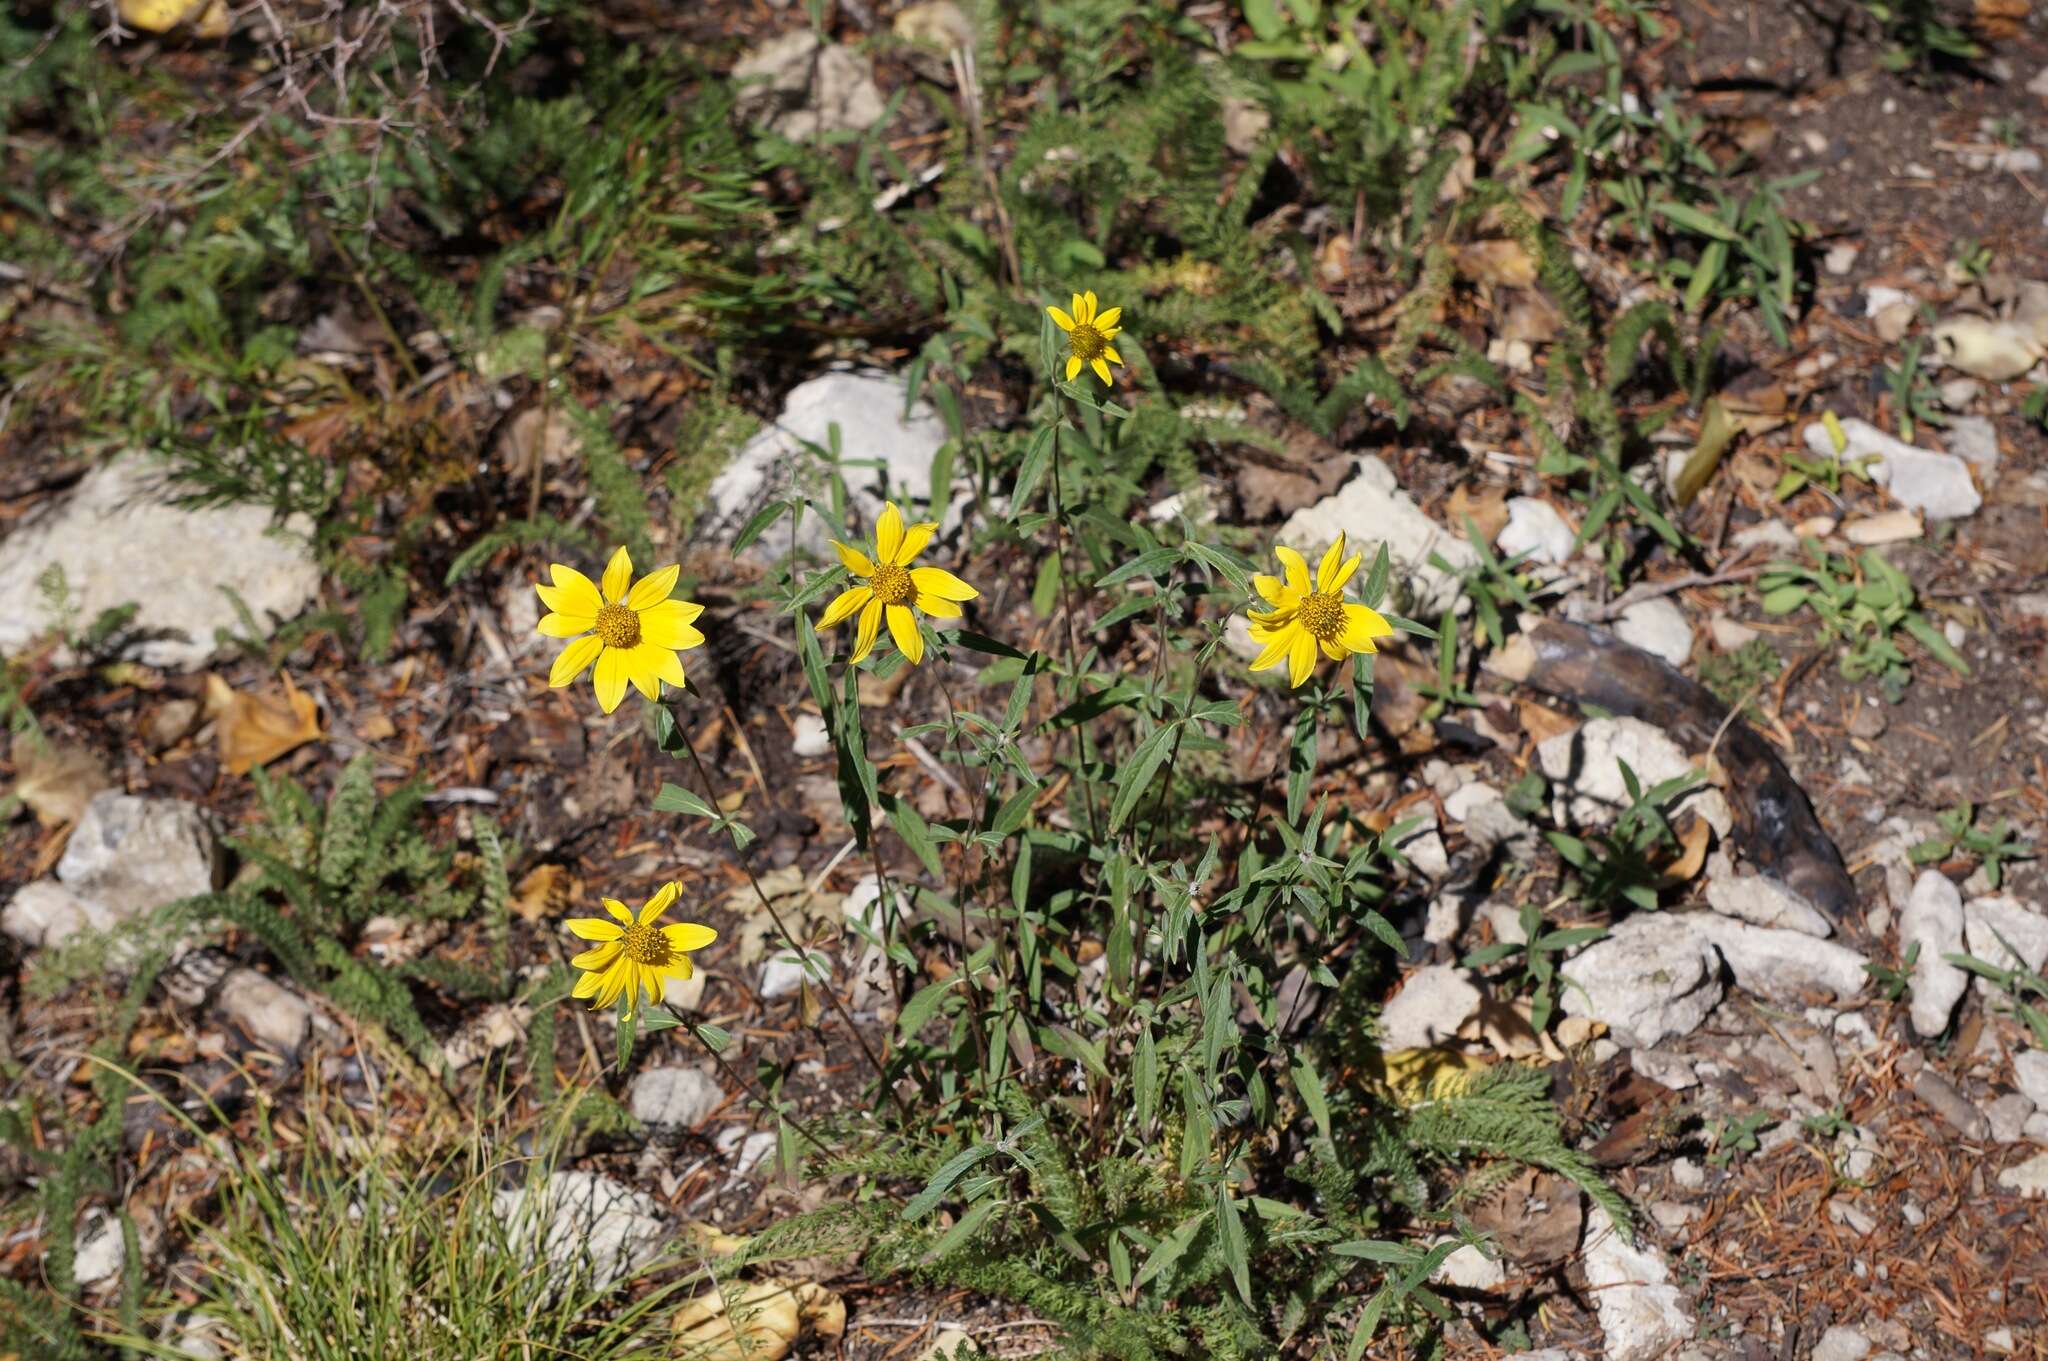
1774,822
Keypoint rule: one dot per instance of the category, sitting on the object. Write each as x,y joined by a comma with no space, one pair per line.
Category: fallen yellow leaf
760,1321
1412,1076
255,729
208,18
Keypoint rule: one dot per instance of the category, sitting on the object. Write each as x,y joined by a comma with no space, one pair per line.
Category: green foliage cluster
1991,844
1860,602
320,873
1140,1149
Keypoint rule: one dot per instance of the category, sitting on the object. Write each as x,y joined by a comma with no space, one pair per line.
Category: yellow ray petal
587,985
937,606
1277,645
1080,305
1107,318
942,583
566,625
1301,657
597,956
849,600
1270,587
1109,353
903,628
1088,300
855,561
663,899
888,533
660,662
618,575
616,980
619,911
1061,319
569,600
915,538
688,935
609,679
575,660
1332,649
1073,366
1101,367
574,592
1297,569
1345,572
668,625
870,624
1327,568
594,928
653,588
1361,626
637,665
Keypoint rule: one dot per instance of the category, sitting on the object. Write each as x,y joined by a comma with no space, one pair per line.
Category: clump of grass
345,1240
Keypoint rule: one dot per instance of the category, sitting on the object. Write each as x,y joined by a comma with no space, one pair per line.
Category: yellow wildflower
632,631
634,956
1305,617
1088,335
891,586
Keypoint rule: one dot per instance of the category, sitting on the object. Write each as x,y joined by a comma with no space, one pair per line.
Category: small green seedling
1735,1138
1892,982
1862,602
1990,845
1540,952
1615,865
2018,985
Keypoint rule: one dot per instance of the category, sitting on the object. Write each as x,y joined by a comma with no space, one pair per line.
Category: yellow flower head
890,585
1305,617
635,956
631,634
1088,335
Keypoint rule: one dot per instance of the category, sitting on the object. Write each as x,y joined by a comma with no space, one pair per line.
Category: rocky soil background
1837,1134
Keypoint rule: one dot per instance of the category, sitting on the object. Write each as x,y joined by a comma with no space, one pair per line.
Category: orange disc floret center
1322,614
892,585
647,945
1087,342
618,626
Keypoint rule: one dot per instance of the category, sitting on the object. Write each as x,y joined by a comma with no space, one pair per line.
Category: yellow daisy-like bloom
1088,335
635,956
1305,617
630,630
891,586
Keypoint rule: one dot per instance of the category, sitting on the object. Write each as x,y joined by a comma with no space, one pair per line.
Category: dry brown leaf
1535,1217
1487,509
1542,723
1495,262
57,779
1691,856
545,892
255,729
2002,19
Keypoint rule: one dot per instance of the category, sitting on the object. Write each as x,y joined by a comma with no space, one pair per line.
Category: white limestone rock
1933,920
1652,976
1372,509
116,540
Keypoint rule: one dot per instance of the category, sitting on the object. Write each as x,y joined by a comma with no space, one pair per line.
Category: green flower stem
831,993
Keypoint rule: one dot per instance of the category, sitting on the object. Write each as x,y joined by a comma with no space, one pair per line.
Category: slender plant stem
831,993
1059,516
977,821
750,1088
